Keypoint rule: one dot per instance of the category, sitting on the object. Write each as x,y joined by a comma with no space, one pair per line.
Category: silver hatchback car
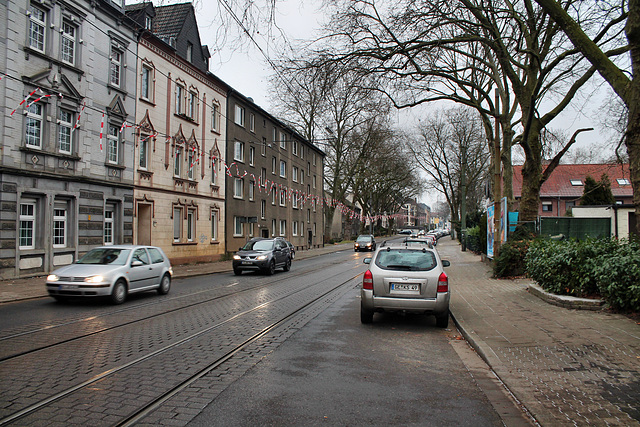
113,271
405,277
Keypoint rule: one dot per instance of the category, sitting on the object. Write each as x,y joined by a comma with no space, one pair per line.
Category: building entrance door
265,233
144,224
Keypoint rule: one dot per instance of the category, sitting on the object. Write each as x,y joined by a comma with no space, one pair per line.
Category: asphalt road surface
286,349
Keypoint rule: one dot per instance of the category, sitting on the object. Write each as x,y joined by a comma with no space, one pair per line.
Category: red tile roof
559,183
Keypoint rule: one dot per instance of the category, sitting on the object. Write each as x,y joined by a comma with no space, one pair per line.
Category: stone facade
70,75
180,149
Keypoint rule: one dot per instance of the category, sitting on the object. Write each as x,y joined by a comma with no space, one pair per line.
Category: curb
566,301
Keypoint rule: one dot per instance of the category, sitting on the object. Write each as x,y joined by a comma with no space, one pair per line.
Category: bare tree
452,153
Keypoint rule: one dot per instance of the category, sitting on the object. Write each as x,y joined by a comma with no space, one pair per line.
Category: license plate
68,287
405,287
246,263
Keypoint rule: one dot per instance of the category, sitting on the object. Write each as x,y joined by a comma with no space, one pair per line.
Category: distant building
565,186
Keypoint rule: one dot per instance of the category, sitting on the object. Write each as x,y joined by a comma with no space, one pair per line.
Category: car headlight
262,257
94,279
52,278
368,244
236,257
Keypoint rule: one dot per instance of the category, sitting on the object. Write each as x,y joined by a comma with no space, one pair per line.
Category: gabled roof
560,183
170,19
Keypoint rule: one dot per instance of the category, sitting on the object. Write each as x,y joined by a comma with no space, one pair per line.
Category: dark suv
263,254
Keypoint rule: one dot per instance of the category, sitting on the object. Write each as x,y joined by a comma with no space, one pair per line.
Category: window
191,159
576,182
177,162
68,43
274,137
112,144
237,226
214,225
252,122
302,178
252,155
263,208
238,151
215,117
252,186
314,159
294,201
239,115
547,207
294,174
146,82
308,169
34,125
59,227
116,67
143,144
108,226
295,228
238,186
191,225
295,148
192,106
273,165
27,225
283,169
37,24
314,181
273,197
263,148
180,91
283,140
283,227
283,197
148,23
623,181
189,52
308,216
273,227
177,224
64,131
214,174
263,176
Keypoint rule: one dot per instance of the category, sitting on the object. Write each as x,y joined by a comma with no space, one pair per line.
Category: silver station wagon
113,271
406,277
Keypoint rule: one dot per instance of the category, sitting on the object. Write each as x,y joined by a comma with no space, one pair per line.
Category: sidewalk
567,367
34,287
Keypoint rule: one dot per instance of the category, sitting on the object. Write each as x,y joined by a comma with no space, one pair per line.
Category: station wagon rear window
406,259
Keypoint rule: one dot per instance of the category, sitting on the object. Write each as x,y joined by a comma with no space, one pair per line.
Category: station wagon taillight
443,283
367,281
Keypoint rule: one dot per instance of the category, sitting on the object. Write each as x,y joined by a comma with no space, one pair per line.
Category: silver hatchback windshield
406,259
259,245
105,256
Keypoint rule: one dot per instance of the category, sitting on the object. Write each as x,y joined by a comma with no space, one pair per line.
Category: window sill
186,118
214,242
185,243
147,101
114,166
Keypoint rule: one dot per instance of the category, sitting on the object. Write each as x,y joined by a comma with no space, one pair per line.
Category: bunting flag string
24,100
84,105
101,130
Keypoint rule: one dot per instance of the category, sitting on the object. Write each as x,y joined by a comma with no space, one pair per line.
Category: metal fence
578,228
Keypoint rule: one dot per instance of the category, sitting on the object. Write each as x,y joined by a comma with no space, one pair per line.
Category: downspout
615,219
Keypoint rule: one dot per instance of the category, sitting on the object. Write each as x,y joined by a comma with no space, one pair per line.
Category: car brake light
443,283
367,282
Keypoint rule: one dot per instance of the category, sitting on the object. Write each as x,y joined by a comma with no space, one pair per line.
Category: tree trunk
531,177
633,150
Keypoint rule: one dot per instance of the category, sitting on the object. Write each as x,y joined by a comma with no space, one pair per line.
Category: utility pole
463,196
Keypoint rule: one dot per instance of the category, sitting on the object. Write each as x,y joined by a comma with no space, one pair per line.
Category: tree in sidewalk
624,78
597,192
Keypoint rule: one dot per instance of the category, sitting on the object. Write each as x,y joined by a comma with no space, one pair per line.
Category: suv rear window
406,259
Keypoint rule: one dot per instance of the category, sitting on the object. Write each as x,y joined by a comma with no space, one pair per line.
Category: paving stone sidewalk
567,367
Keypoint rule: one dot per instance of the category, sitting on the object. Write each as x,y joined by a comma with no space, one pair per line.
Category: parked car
405,232
408,278
418,241
365,242
292,250
113,271
262,254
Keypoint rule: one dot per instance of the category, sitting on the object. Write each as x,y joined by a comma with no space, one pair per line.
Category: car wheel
119,293
442,321
366,316
237,271
165,285
287,265
272,268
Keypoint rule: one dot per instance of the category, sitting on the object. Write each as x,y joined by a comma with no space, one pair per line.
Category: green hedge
604,267
509,261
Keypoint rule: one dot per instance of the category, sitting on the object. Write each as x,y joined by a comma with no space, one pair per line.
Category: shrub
605,267
510,258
